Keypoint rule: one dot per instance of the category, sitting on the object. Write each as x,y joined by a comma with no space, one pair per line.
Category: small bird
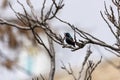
69,40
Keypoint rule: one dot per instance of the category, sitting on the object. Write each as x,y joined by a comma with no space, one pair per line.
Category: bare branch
42,11
52,52
32,9
70,71
89,52
39,77
4,22
91,67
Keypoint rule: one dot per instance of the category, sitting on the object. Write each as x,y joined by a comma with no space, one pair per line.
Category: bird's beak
64,36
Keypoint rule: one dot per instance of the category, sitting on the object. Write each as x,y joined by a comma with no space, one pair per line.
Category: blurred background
21,57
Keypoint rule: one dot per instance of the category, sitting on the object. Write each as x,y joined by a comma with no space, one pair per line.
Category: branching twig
89,52
91,67
70,71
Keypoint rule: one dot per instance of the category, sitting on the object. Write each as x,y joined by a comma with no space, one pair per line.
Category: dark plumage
69,40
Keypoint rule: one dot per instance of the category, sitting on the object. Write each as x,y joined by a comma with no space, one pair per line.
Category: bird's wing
71,39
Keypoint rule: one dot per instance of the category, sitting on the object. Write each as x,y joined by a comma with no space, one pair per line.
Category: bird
69,40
